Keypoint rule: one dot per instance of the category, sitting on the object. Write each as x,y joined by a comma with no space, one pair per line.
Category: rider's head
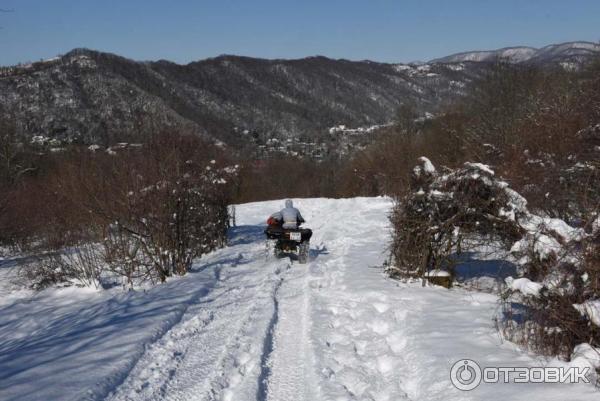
289,203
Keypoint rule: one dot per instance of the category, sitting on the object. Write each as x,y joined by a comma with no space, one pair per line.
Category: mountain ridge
593,47
564,50
92,97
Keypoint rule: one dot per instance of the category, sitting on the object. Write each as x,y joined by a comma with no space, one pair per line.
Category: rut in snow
261,394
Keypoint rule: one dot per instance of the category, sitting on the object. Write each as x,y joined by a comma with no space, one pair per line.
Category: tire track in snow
191,361
268,348
242,371
290,362
114,382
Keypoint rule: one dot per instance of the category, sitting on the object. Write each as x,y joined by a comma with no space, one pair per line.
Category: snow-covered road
243,326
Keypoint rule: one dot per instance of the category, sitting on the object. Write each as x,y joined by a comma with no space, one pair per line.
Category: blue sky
381,30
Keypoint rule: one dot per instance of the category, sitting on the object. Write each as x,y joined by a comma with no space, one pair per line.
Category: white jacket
289,216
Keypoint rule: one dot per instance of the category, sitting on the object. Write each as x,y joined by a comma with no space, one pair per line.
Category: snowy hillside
243,326
514,54
94,97
558,52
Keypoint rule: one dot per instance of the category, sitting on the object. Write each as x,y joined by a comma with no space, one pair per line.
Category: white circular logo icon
465,375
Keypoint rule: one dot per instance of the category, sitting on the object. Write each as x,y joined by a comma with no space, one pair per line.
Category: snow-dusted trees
172,213
443,213
554,305
143,212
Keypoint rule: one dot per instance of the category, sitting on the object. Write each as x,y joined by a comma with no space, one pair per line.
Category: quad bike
289,241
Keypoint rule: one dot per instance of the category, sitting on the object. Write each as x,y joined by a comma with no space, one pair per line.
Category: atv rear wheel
303,252
278,252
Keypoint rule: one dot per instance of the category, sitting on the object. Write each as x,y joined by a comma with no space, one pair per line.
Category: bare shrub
540,125
144,213
81,265
562,312
433,221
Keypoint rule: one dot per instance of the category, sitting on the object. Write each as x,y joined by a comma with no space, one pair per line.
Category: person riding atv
283,227
288,217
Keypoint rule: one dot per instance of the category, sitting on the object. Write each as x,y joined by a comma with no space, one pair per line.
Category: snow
246,326
524,286
543,246
584,355
343,129
435,194
568,65
424,166
522,53
570,48
481,167
50,60
437,273
516,199
546,246
563,230
596,225
402,67
39,140
590,309
513,54
427,165
456,67
545,236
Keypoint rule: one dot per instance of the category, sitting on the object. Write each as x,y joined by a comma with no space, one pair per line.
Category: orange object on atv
273,222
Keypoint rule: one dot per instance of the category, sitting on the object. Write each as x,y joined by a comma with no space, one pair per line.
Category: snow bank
591,310
77,343
425,167
585,356
524,286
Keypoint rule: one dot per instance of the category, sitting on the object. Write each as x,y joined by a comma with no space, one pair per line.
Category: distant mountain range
570,52
92,97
